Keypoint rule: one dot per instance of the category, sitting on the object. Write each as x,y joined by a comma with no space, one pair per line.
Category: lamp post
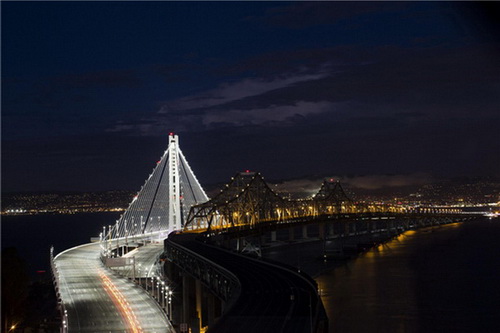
163,294
109,245
140,284
158,290
126,234
170,304
153,285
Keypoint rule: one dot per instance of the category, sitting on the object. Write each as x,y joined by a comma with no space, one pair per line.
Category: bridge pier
331,230
369,227
211,301
273,236
200,290
200,308
304,231
353,229
199,298
185,300
321,231
291,234
240,241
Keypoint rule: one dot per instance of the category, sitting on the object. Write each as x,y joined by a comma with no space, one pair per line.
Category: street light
153,285
158,290
170,304
108,244
140,284
163,294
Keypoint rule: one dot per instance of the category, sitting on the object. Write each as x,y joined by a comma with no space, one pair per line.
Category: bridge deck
272,299
98,301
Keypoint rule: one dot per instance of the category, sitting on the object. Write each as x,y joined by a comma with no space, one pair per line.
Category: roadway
272,298
97,300
145,258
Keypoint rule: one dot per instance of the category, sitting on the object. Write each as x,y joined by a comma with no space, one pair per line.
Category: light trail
121,303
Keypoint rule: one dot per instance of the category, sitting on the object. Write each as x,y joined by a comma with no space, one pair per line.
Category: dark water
33,235
444,279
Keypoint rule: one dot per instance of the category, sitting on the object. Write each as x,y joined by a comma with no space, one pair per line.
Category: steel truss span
164,200
247,201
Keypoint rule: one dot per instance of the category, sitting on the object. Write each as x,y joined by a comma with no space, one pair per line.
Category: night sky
386,92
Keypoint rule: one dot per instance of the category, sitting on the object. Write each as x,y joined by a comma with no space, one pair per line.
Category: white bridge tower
165,199
174,212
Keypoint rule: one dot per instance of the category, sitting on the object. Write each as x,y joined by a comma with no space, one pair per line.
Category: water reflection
428,280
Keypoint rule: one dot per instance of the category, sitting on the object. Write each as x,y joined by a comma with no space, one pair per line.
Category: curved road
272,298
98,301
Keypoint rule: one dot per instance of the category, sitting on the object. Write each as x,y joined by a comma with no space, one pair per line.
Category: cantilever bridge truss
165,199
248,201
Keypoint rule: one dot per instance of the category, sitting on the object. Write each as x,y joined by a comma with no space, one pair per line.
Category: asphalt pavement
97,300
272,299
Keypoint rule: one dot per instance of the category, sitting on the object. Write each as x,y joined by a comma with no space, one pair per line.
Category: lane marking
121,304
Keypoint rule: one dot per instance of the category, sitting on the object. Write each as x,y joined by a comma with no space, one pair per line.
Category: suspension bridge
120,283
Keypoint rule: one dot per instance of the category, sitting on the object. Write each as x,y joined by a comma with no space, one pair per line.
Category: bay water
438,279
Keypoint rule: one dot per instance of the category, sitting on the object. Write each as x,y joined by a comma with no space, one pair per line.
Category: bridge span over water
130,281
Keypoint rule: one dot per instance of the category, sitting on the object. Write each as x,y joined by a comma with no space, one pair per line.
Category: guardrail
60,303
219,280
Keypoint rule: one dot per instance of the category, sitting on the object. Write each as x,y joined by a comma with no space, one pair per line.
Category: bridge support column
321,229
291,234
199,296
240,244
191,303
331,230
304,231
406,225
210,309
185,299
273,236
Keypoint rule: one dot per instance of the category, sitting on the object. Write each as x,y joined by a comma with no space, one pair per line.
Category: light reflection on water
429,280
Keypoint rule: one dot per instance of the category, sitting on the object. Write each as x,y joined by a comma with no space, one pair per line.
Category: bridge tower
174,211
164,201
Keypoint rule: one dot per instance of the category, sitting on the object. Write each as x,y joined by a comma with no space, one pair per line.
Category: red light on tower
247,171
171,133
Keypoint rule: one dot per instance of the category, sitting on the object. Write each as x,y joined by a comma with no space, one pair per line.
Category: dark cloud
307,187
303,59
408,86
